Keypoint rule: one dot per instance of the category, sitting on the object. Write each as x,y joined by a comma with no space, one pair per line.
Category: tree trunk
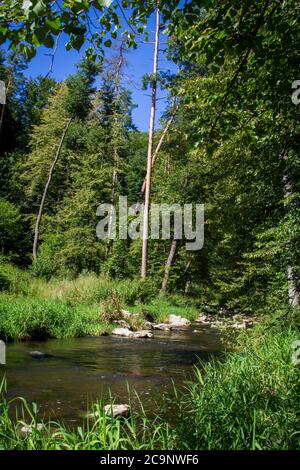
41,209
293,294
168,266
150,151
162,138
115,151
4,104
188,282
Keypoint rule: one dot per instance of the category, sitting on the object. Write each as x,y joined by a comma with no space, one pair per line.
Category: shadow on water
81,371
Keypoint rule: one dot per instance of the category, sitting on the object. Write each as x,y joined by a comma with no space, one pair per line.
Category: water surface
80,371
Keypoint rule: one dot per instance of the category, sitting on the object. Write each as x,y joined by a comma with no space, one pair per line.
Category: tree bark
150,151
168,266
162,138
293,294
41,209
4,104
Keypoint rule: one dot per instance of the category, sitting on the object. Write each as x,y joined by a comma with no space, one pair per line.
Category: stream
79,371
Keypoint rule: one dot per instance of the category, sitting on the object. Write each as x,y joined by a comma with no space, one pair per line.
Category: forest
226,137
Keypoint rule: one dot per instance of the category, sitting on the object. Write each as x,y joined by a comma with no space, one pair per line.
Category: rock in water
117,410
161,326
122,332
38,355
29,429
132,334
112,410
177,321
142,334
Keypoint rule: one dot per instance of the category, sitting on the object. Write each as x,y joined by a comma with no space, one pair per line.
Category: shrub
110,309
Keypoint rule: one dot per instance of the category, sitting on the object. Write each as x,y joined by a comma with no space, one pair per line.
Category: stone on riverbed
29,428
161,326
142,334
117,410
131,334
178,321
122,332
122,410
38,355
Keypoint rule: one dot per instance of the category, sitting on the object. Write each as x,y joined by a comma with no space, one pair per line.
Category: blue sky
140,62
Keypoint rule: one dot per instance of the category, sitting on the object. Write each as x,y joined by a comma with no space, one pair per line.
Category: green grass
161,307
24,318
250,401
32,308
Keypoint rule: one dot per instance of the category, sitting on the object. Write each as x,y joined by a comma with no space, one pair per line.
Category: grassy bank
248,401
32,308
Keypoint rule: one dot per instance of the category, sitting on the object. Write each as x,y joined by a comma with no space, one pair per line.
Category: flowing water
79,371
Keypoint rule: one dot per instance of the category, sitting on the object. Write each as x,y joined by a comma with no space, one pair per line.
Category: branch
242,62
162,138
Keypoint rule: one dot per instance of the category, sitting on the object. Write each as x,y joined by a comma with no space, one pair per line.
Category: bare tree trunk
188,282
4,104
162,138
41,209
150,151
293,294
168,266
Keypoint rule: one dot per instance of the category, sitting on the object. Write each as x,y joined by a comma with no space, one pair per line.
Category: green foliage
10,226
110,309
247,402
29,318
13,279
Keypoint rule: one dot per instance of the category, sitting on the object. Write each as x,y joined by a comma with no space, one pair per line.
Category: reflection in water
83,370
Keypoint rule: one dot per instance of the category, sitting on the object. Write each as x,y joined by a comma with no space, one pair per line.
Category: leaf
28,51
27,5
54,23
105,3
48,41
39,8
77,42
107,43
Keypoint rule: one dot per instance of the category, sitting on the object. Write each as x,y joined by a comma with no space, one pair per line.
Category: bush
10,226
13,279
110,309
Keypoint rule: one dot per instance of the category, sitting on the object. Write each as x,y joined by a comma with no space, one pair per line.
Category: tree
77,105
150,150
